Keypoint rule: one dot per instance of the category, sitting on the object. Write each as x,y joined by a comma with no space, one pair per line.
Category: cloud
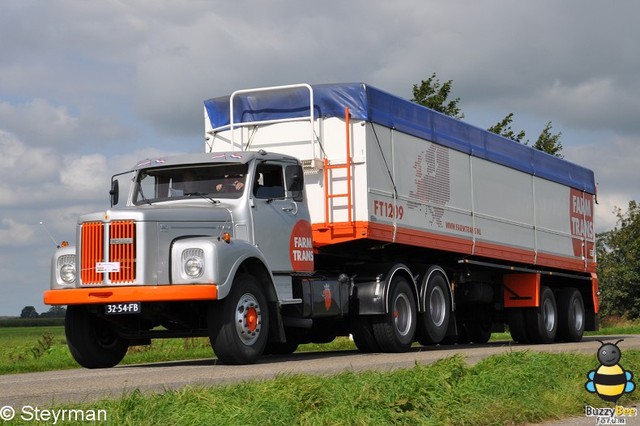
614,164
13,233
596,103
85,175
89,88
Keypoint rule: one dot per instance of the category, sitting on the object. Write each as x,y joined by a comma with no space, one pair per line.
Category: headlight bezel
66,269
193,265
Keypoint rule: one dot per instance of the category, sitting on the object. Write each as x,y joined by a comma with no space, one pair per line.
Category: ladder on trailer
329,196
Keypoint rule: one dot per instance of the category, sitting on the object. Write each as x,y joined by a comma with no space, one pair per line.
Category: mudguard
371,297
222,261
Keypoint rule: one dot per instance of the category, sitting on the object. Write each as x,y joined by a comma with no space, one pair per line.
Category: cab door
281,227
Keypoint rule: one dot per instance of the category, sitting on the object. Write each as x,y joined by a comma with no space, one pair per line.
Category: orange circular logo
301,247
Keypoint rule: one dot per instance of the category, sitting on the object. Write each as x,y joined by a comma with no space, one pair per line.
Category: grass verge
511,388
32,349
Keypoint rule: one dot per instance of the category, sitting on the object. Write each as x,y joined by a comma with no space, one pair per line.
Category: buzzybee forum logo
610,381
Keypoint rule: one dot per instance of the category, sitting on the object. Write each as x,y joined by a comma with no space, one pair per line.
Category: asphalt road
81,385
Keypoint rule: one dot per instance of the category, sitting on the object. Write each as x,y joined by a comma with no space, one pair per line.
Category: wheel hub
402,315
549,315
437,307
248,319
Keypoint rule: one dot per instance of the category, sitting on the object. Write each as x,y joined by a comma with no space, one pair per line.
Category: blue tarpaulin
376,106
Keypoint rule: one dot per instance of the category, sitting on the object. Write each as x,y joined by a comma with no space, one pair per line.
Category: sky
87,88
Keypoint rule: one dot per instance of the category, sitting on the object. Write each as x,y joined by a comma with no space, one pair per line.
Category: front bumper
102,295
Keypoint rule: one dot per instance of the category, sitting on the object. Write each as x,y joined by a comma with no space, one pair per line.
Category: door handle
293,209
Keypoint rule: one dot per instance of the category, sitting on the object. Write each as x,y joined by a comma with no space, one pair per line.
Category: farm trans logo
433,183
301,247
610,381
581,216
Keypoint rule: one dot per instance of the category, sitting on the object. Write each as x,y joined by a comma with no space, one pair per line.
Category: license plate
122,308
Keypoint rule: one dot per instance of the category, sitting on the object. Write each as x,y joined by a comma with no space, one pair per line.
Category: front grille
121,248
92,236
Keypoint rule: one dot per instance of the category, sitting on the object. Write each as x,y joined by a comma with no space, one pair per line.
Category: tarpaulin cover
374,105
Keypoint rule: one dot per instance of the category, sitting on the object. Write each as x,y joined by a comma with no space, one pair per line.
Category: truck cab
180,233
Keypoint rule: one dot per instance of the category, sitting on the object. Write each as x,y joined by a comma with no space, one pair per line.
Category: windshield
220,180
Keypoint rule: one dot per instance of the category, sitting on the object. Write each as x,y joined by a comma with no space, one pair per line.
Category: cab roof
242,157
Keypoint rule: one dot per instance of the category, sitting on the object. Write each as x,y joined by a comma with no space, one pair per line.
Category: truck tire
433,323
362,332
91,341
570,315
281,348
475,332
239,324
395,330
517,325
542,322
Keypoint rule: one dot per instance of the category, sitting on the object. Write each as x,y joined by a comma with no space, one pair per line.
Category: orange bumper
99,295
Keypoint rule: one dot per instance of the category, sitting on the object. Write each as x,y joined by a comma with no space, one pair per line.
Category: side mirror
114,192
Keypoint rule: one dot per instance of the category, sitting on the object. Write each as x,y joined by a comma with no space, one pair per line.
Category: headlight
67,268
193,262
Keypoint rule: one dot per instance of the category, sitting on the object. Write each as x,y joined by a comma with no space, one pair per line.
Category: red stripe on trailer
336,233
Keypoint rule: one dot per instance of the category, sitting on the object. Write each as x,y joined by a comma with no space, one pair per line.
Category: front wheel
91,340
239,324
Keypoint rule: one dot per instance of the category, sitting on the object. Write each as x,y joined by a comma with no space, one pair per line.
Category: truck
329,210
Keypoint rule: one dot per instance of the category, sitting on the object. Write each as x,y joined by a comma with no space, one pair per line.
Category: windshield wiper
202,195
141,192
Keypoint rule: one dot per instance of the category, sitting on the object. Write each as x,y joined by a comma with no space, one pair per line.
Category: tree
549,142
54,312
546,142
503,128
619,264
432,94
29,312
435,95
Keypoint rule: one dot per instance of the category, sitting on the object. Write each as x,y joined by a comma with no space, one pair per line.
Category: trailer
319,211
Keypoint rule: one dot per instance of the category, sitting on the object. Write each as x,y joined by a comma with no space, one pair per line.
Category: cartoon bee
609,380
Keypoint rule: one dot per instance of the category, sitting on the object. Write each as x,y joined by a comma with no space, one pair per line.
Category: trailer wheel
362,332
542,322
517,325
570,315
91,341
239,324
434,321
475,332
395,330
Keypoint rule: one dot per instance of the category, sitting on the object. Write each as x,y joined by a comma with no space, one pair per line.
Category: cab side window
295,181
269,182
